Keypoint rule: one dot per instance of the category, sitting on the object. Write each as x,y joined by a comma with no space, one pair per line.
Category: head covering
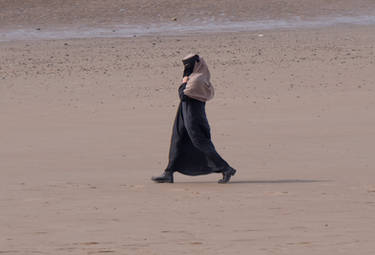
189,62
199,86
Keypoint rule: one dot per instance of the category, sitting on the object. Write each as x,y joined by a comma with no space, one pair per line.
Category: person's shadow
280,181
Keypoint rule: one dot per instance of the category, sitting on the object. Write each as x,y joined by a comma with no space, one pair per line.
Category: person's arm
181,91
182,88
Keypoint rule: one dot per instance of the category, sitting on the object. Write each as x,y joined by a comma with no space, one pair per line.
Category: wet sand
52,13
85,123
172,29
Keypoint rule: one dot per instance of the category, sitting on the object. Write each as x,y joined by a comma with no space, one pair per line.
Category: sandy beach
86,122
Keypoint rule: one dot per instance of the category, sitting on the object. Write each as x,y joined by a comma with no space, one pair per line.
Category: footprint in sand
196,243
100,251
87,243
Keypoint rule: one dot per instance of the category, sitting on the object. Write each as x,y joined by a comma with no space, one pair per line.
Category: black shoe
227,174
166,177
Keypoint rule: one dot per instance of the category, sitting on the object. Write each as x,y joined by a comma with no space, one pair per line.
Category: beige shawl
199,86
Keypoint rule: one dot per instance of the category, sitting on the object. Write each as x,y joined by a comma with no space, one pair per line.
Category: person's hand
185,79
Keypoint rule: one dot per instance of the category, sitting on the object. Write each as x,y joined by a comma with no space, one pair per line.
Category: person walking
191,150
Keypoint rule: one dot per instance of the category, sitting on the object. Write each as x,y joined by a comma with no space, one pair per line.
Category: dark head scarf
189,63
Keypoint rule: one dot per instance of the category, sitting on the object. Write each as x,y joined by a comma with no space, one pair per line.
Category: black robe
191,150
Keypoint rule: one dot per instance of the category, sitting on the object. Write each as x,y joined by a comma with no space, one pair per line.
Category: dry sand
86,123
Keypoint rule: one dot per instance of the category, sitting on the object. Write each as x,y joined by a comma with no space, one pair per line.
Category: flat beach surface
86,122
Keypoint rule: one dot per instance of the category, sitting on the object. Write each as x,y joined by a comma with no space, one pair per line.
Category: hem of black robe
195,172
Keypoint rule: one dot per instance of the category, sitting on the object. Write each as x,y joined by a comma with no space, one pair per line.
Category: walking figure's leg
198,129
174,149
177,140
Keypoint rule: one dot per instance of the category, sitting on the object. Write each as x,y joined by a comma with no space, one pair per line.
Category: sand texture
85,124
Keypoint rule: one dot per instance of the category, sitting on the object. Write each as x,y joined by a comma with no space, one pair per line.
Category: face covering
189,65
